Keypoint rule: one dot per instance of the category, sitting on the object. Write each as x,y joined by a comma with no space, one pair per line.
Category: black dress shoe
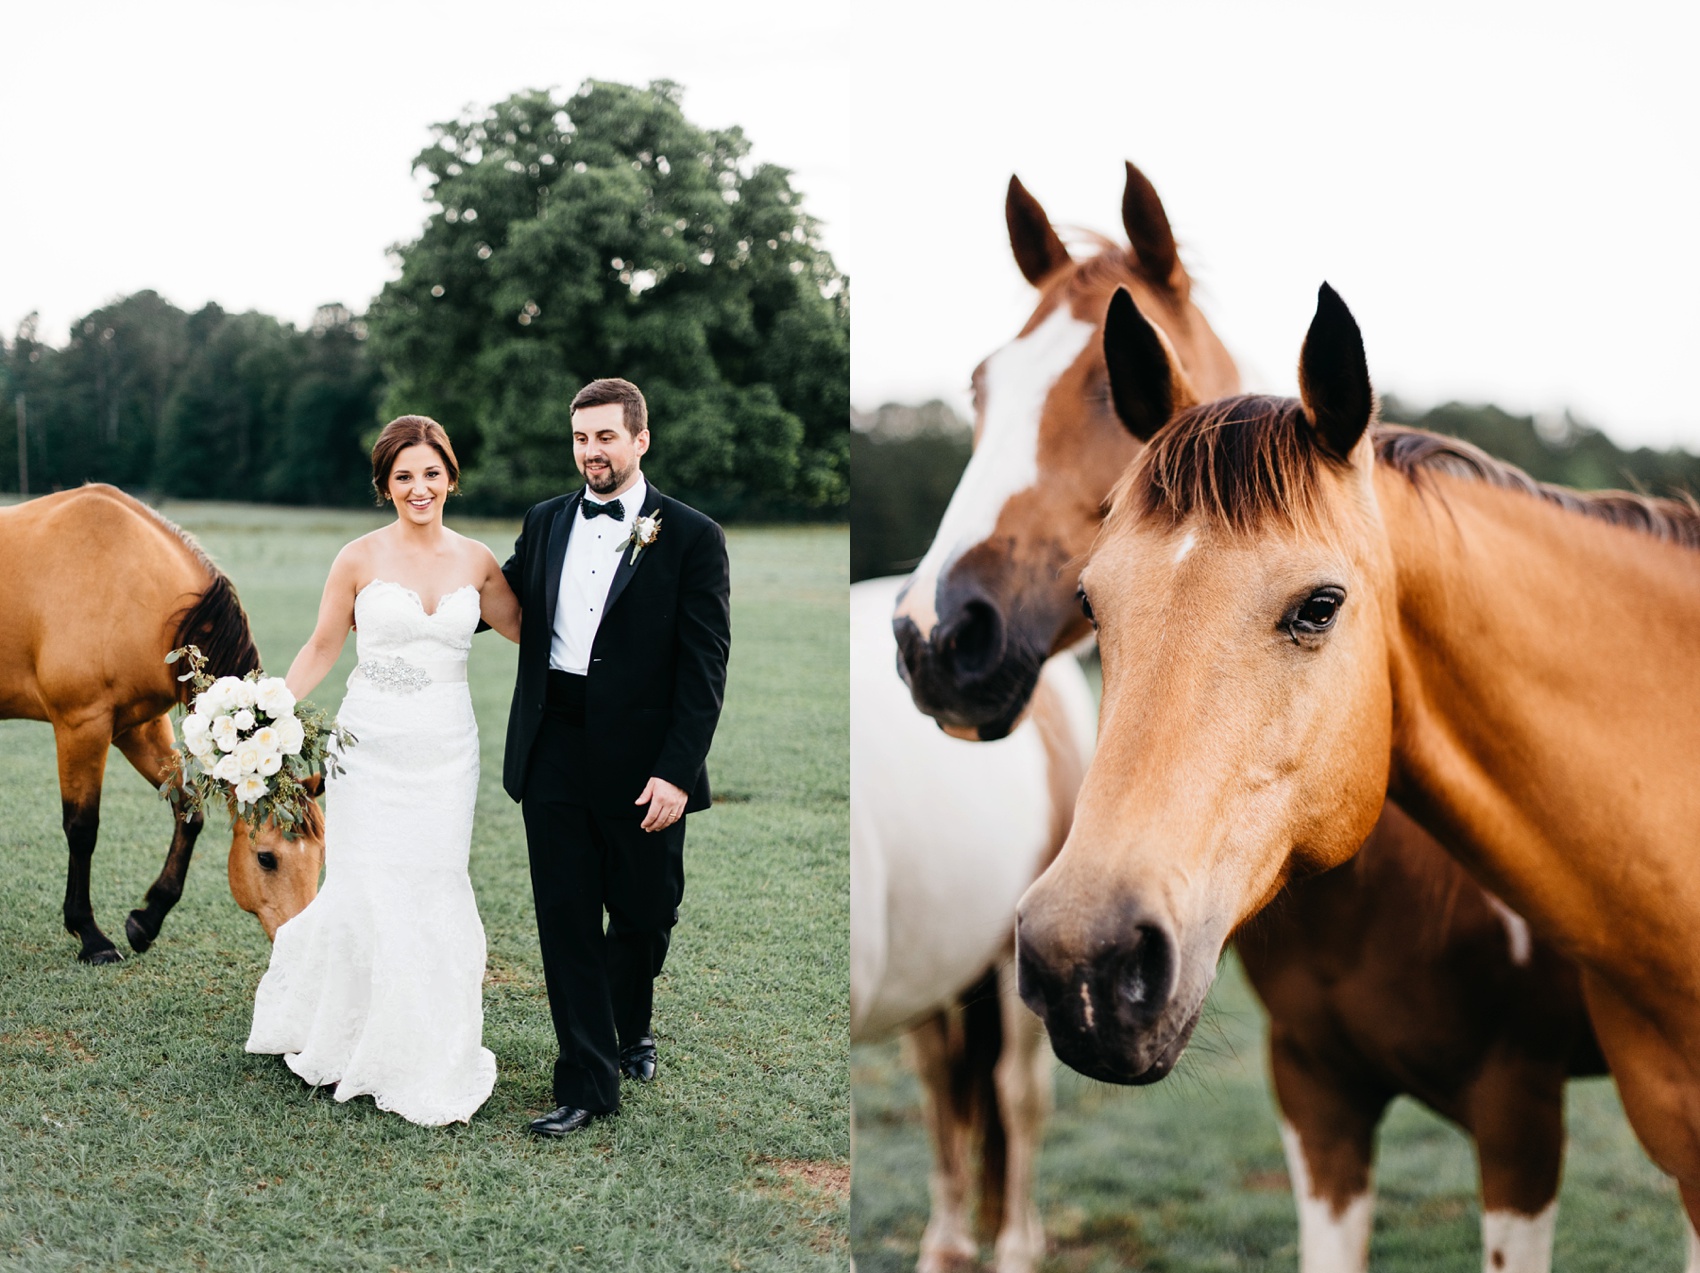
560,1122
638,1061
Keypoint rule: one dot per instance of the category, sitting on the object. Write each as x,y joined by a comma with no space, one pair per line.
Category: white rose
244,719
224,733
248,757
270,763
225,693
227,769
201,747
290,736
195,727
265,738
250,789
273,698
243,694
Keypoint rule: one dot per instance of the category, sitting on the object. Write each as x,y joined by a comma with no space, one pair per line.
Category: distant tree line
906,462
602,235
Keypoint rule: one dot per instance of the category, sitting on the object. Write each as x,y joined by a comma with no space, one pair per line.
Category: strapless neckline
429,614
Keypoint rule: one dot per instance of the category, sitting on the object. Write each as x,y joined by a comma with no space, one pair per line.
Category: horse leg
1328,1122
934,1048
1516,1111
1023,1078
82,766
148,748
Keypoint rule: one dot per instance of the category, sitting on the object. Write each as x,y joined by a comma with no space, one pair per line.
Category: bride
377,986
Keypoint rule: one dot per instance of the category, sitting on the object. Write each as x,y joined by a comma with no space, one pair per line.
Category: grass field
1188,1176
135,1132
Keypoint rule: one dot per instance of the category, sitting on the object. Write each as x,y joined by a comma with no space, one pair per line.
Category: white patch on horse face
1517,935
1514,1243
1015,383
1187,545
1330,1241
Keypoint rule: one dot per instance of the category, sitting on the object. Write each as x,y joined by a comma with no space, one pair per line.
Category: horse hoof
105,955
137,934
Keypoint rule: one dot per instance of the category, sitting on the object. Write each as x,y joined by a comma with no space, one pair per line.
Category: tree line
600,235
907,461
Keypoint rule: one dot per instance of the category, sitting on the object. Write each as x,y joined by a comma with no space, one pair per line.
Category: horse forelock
1240,463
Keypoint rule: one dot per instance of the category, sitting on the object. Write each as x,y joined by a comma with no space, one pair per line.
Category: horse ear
1334,376
1038,250
1147,384
313,785
1147,227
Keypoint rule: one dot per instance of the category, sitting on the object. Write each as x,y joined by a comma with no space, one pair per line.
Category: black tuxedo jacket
657,673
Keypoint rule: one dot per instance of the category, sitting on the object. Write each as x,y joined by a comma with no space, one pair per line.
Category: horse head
1242,588
994,595
273,877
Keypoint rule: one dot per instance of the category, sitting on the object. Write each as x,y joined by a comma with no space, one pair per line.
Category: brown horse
994,596
99,588
1299,612
1397,975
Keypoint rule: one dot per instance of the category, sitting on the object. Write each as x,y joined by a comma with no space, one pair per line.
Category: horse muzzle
1113,1004
971,673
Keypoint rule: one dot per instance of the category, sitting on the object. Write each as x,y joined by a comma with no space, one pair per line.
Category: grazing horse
1397,975
945,836
99,588
1300,611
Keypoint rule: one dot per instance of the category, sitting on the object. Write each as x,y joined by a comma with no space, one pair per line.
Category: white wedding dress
377,986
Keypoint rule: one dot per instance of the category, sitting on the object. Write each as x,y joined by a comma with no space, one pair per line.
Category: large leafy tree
607,235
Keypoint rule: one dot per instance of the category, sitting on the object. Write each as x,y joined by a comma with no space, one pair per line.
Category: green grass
136,1133
1188,1175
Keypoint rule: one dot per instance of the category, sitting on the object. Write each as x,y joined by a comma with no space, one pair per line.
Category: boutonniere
644,533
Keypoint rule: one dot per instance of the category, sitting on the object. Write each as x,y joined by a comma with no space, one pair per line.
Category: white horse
945,836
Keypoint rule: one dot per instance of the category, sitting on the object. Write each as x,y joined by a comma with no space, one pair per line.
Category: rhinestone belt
399,676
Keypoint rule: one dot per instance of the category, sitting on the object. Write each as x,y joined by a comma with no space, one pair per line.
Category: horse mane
1413,452
1241,462
215,620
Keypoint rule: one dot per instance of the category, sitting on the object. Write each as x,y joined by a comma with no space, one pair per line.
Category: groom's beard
610,480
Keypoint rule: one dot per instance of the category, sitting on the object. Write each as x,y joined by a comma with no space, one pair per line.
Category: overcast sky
258,154
1507,195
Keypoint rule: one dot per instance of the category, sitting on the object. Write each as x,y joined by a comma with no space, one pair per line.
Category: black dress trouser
601,983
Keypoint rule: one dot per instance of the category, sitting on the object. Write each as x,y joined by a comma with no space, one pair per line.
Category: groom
622,668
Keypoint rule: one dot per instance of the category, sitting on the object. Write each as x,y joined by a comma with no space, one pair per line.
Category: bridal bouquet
247,742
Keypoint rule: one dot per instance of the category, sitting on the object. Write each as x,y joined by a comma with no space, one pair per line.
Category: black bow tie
613,508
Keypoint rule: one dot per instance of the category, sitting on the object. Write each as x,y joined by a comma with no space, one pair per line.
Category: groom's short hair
612,389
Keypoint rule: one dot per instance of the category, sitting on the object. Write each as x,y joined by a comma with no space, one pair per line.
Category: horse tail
977,1094
217,624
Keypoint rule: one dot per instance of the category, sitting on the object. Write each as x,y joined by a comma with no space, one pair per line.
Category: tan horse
1300,612
99,588
994,596
1397,976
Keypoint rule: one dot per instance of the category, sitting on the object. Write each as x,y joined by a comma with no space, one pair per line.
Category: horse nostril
1140,977
975,641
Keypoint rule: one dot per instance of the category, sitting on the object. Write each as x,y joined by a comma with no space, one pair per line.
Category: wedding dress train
377,986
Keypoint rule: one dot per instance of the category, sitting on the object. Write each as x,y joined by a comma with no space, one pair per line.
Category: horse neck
1546,699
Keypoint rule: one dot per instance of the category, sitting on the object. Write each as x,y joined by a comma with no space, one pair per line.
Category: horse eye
1086,606
268,861
1316,613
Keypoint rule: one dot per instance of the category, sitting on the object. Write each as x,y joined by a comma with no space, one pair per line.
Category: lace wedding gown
377,986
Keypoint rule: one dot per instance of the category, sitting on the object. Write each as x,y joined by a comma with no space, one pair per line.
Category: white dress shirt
593,553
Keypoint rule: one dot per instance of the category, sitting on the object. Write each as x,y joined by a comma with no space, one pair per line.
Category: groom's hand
666,804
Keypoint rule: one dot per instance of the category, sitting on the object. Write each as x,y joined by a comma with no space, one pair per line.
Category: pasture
136,1133
1187,1176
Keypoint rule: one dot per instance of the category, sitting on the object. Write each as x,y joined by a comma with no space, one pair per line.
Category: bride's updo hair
405,431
